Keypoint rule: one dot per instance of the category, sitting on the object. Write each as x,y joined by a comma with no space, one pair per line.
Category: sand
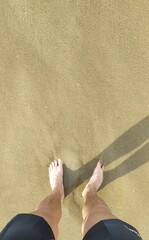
74,85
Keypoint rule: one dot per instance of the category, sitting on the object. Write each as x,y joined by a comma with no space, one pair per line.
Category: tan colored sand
74,83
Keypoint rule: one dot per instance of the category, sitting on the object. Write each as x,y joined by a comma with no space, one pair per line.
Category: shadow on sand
136,138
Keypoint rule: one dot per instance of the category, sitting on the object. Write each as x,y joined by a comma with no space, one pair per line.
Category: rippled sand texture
74,84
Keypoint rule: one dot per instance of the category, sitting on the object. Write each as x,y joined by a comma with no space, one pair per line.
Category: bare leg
94,209
50,208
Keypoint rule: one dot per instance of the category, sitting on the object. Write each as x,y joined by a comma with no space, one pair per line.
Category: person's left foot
56,176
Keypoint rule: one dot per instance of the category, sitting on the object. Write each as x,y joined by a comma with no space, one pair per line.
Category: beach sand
74,85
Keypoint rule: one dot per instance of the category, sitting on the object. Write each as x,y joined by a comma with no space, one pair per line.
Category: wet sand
74,85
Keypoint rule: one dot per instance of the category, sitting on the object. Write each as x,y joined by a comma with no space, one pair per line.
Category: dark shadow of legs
139,158
130,140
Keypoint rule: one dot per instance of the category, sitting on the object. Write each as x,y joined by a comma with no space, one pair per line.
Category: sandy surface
74,85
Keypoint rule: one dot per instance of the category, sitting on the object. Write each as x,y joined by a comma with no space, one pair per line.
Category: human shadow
134,139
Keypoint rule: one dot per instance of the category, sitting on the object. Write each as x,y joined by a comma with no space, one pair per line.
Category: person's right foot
95,180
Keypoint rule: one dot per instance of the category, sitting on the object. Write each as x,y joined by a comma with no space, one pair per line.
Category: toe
97,167
60,163
101,164
50,167
52,164
55,163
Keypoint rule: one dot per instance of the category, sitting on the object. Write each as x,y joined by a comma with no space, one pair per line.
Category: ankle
57,191
90,191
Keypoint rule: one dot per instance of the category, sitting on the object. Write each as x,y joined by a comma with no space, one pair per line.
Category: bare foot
56,176
95,180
